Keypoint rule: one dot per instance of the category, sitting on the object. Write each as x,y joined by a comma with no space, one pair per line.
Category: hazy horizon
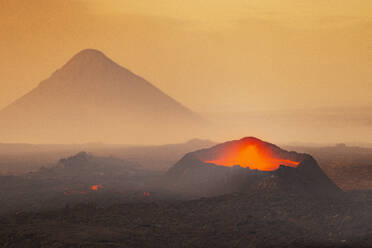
200,123
283,71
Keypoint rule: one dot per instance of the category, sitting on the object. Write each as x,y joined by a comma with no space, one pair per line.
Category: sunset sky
211,55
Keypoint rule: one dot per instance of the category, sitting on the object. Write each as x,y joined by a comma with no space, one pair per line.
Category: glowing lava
96,187
253,154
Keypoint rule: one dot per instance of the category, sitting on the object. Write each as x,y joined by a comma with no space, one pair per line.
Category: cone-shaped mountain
91,98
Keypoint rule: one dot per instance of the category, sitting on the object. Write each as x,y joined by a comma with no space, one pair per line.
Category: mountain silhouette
91,98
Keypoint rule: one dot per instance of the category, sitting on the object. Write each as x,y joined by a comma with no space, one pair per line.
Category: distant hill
22,158
92,99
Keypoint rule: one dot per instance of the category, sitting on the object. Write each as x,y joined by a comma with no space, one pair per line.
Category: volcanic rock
198,174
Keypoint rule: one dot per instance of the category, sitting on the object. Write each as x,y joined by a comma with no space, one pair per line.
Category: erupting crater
249,153
248,165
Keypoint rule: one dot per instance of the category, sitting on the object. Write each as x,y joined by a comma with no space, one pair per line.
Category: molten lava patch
251,153
96,187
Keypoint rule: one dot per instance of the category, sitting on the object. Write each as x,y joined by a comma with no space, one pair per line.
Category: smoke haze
248,62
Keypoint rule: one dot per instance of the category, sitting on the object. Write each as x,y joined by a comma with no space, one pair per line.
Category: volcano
248,164
91,99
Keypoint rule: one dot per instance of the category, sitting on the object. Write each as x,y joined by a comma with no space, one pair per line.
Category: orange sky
211,55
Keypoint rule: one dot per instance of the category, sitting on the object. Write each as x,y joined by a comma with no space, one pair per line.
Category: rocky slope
195,174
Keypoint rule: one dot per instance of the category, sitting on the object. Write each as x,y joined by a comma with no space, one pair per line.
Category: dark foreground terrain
235,220
57,206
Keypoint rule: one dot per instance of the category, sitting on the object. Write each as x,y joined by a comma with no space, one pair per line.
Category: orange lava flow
252,155
96,187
